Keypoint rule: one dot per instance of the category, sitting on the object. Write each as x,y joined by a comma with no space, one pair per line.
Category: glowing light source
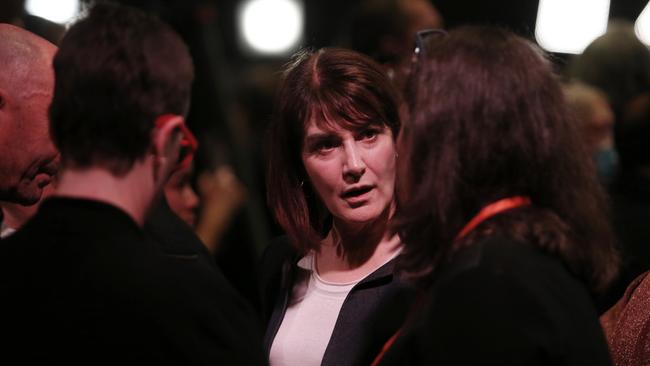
568,26
59,11
642,25
271,26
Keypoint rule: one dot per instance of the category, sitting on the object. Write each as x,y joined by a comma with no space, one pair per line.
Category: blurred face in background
181,196
595,120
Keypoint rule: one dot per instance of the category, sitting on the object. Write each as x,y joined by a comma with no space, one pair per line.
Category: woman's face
352,171
181,197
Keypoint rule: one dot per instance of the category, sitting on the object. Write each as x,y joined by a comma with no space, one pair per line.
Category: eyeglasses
424,43
423,40
188,145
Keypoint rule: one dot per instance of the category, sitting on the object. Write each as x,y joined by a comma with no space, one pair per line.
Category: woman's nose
353,165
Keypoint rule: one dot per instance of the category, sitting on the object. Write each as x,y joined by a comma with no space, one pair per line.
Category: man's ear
166,143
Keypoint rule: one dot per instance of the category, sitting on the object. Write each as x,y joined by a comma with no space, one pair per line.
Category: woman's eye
324,147
368,134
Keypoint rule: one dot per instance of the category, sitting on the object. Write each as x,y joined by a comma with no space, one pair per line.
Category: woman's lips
357,194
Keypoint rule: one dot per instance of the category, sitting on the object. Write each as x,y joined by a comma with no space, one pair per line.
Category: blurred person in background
618,63
385,30
329,291
222,195
500,211
180,195
627,323
595,120
210,212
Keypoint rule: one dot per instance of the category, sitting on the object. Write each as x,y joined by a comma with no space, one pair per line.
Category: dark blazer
501,302
82,282
372,312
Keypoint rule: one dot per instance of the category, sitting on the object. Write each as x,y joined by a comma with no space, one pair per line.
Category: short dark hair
619,64
116,71
489,121
335,87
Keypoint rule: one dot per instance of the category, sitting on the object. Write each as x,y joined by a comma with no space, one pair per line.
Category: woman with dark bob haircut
500,211
328,287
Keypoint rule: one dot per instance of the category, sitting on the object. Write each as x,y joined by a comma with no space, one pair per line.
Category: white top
310,318
6,231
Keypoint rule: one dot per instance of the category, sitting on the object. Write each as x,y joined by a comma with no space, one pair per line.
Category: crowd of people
446,206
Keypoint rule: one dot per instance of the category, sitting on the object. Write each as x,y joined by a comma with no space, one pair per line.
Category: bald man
28,159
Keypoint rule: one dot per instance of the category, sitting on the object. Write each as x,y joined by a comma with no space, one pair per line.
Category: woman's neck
351,252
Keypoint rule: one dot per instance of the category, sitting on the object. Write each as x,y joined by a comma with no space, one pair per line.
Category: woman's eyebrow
320,136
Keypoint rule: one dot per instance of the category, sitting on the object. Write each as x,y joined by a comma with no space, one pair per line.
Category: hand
222,194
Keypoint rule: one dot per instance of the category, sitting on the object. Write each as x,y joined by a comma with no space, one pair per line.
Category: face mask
606,164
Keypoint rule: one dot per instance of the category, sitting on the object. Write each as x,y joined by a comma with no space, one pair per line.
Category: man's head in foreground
123,81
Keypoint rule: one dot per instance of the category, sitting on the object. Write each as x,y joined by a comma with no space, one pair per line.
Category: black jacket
501,302
81,282
372,312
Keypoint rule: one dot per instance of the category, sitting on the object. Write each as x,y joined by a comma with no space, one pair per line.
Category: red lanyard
385,348
493,209
486,212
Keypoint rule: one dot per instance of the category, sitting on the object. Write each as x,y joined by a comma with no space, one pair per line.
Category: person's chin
361,215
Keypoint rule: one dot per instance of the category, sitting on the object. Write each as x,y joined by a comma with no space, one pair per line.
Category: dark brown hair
489,121
116,71
332,87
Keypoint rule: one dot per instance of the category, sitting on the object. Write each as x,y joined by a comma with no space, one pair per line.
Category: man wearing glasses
83,281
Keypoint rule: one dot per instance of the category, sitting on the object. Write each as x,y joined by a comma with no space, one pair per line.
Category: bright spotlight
568,26
642,25
271,27
59,11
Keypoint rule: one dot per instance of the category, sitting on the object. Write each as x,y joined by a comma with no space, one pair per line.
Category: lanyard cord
493,209
486,212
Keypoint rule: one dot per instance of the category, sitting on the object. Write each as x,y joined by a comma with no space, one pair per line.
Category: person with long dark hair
500,210
329,291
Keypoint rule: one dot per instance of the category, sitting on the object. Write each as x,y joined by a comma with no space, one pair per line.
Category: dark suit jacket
500,302
372,312
82,282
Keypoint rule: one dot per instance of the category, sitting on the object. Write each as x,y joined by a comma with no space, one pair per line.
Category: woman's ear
166,143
